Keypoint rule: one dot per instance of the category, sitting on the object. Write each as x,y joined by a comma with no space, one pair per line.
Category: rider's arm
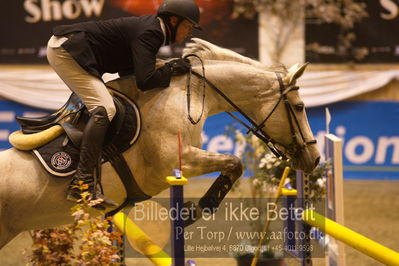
144,50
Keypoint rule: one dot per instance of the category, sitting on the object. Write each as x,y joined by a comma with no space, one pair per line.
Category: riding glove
179,66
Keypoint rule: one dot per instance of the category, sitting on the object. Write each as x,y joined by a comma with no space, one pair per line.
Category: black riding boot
90,152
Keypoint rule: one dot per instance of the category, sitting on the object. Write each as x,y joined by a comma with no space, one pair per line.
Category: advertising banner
370,135
376,37
369,131
27,24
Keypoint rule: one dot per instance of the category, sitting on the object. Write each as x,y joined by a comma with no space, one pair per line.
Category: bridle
257,129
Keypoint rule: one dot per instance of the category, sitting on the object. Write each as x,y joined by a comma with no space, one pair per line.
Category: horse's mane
208,51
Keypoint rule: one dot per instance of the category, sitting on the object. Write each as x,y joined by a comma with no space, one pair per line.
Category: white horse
31,199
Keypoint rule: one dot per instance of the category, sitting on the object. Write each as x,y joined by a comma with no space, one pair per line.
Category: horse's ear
295,72
293,68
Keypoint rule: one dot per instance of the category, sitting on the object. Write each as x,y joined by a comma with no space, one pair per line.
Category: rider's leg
90,152
89,88
98,101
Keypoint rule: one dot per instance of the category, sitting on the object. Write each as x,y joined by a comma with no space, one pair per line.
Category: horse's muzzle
307,159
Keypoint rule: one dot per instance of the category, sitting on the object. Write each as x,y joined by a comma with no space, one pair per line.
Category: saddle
55,140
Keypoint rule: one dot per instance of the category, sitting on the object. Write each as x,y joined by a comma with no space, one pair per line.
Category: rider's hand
179,66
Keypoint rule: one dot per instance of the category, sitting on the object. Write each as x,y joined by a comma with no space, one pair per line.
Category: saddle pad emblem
61,160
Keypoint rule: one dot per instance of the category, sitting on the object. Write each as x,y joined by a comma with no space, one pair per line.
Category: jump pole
144,243
351,238
177,225
176,182
267,223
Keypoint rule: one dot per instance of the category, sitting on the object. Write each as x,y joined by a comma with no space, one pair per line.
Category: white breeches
89,88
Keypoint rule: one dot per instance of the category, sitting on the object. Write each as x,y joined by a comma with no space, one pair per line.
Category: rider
81,53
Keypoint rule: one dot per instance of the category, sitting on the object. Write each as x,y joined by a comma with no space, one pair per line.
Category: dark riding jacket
126,45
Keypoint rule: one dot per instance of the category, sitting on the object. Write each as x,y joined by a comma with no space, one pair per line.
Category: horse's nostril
317,161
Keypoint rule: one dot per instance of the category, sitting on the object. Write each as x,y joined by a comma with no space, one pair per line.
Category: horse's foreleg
199,162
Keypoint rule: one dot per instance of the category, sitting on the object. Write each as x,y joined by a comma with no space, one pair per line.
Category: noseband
293,148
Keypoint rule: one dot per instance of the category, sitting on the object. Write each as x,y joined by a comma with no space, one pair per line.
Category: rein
256,129
203,79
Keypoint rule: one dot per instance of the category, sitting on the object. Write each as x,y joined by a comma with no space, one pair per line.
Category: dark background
25,43
379,36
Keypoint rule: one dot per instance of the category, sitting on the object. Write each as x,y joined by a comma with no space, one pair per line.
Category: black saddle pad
60,156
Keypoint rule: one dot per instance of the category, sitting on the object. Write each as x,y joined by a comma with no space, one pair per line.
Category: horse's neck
245,85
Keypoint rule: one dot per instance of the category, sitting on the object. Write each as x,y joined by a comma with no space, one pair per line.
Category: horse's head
268,95
284,122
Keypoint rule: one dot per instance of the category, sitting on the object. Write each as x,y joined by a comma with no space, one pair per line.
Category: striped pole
146,246
267,223
289,200
351,238
177,225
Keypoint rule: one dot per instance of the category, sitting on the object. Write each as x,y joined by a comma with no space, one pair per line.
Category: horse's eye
299,107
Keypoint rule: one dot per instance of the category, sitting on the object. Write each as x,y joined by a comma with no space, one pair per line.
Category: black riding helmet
183,9
186,9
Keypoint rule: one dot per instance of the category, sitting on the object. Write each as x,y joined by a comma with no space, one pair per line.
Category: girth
133,192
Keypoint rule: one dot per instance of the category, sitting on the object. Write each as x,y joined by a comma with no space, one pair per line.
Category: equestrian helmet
186,9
